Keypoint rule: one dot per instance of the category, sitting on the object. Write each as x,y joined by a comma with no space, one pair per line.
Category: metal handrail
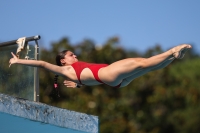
13,42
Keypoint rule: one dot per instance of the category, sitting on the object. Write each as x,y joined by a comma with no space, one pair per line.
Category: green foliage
162,101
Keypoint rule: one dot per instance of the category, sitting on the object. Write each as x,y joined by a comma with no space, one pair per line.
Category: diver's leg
117,71
129,79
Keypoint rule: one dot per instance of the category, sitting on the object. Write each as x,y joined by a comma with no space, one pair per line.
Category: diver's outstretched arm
35,63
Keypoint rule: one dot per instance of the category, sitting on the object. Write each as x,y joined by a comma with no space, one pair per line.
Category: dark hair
60,55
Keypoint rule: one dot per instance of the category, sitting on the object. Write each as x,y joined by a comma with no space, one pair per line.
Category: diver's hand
13,60
70,84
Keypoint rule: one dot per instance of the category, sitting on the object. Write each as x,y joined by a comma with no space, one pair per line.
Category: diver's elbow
42,64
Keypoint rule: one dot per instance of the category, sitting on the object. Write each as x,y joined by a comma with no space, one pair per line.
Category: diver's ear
62,61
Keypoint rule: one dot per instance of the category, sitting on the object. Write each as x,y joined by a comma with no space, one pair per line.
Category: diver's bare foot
179,51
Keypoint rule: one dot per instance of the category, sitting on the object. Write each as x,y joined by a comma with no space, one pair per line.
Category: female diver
117,74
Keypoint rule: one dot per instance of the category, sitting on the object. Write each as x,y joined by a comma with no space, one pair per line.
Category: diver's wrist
77,85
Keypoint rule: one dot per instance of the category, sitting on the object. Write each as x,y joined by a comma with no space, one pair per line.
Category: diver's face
69,59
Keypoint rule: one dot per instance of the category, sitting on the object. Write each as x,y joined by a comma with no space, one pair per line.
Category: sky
139,24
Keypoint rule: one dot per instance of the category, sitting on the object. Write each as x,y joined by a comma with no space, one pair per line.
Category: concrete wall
35,114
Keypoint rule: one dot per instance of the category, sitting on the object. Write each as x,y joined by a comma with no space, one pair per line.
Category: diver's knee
138,63
144,63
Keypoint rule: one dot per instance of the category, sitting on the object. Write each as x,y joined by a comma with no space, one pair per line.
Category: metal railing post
36,74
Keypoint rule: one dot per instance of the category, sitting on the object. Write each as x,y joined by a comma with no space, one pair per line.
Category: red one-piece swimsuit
79,66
